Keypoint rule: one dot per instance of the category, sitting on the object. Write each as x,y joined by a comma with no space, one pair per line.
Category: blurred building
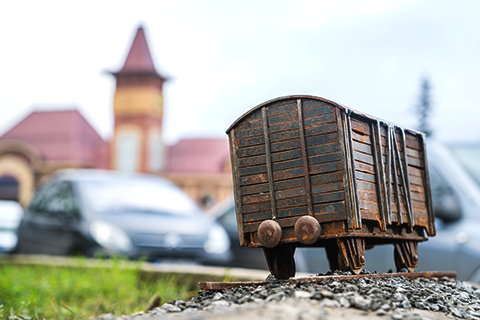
46,141
202,168
43,142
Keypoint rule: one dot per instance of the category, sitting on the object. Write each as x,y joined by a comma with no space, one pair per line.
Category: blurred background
150,87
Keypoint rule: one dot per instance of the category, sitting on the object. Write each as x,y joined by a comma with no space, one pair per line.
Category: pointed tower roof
139,59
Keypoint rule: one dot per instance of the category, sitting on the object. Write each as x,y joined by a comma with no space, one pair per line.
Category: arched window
156,159
8,188
127,151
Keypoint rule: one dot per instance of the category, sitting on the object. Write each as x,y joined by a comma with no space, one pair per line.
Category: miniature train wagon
311,172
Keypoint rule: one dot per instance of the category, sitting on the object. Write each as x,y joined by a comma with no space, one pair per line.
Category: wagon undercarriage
346,254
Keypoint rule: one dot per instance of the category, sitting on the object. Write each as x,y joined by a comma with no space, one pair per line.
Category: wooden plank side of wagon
316,154
322,212
325,169
366,166
414,173
236,187
281,108
343,148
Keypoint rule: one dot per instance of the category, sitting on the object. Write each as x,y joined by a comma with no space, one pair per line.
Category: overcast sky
225,57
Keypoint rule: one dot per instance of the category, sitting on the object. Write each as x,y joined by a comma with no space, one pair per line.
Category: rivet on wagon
307,230
415,258
362,259
269,233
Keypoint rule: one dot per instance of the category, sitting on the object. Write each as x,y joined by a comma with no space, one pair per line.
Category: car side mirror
447,208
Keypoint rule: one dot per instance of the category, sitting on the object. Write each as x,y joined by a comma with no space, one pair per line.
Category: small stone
456,312
360,302
397,316
329,303
406,304
221,303
374,291
398,297
464,296
299,294
170,308
319,295
157,312
381,312
217,296
270,277
376,304
350,288
420,305
181,304
475,306
434,307
276,297
385,306
344,302
466,286
475,313
245,299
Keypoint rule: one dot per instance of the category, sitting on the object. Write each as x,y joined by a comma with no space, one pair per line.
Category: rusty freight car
311,172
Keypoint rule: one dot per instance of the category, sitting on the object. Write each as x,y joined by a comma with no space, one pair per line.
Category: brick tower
137,145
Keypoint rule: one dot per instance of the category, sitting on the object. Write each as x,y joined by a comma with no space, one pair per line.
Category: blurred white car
11,212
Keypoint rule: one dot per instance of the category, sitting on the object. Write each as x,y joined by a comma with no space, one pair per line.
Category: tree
424,107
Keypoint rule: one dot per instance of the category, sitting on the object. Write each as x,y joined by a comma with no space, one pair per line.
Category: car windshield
136,195
469,156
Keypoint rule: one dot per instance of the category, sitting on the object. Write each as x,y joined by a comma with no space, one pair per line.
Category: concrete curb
147,270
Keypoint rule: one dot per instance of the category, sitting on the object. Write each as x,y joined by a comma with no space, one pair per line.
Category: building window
128,151
156,159
8,188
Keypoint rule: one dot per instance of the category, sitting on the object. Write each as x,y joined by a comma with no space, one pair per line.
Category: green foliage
81,292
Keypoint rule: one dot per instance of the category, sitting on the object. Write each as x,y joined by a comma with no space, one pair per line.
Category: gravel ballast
392,298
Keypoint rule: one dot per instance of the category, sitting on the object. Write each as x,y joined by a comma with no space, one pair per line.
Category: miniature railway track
435,275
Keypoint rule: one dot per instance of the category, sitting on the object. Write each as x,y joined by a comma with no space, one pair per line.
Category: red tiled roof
61,136
198,156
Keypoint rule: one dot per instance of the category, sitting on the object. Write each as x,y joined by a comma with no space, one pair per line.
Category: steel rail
435,275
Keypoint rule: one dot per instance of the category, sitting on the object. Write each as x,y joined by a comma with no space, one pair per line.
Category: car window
437,184
56,197
136,195
229,218
469,156
445,203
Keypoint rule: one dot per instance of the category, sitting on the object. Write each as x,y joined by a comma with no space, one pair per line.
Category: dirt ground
292,310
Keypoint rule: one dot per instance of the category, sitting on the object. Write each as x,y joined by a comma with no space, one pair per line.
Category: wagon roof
338,105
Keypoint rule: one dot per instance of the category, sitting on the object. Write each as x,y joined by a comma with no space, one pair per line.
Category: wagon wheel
280,260
406,255
351,254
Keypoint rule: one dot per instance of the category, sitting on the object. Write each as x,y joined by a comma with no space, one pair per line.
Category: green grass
81,292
